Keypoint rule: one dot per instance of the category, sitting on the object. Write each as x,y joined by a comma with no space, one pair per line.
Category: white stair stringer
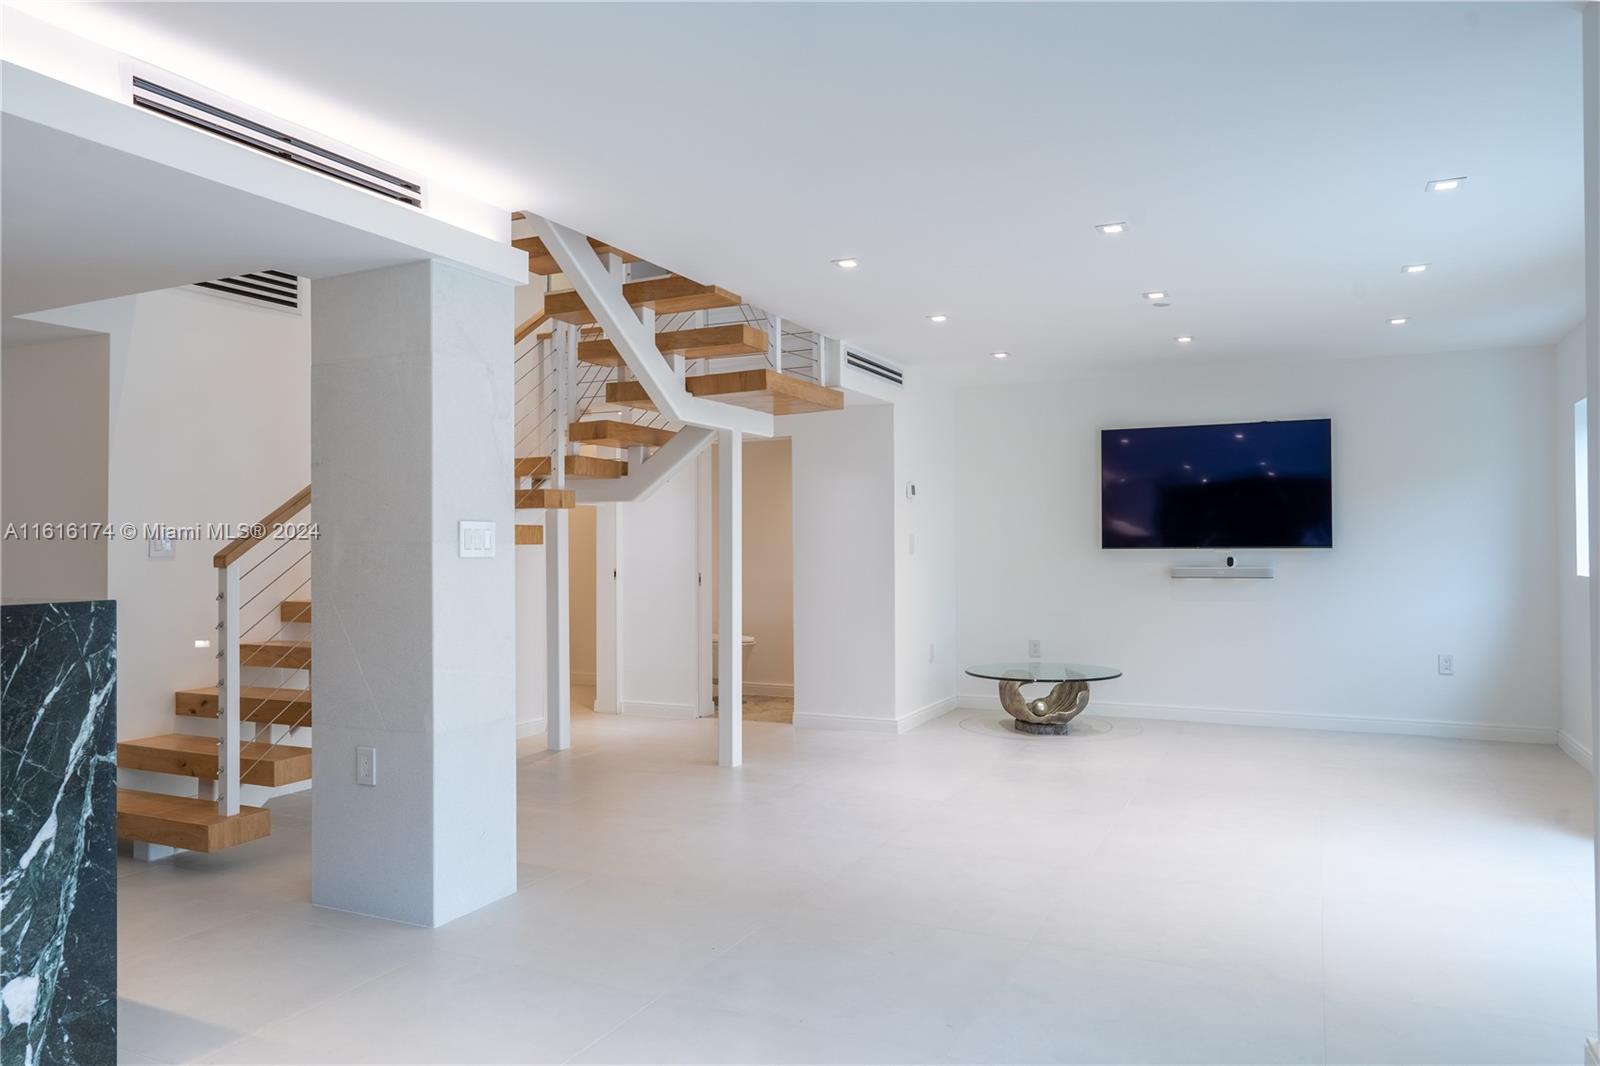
644,478
602,295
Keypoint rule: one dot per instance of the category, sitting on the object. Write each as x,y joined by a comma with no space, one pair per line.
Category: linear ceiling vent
875,367
273,288
295,147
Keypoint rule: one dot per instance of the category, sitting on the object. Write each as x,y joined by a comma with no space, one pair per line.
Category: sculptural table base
1051,715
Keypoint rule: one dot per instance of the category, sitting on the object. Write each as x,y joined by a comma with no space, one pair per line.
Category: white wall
844,568
1570,386
209,422
1445,491
660,602
926,667
56,398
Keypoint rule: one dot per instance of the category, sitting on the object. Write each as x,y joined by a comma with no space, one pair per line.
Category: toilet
747,644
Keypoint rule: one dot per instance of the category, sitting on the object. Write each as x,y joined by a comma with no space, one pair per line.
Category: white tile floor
1156,893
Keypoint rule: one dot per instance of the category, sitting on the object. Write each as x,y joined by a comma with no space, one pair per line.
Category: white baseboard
1580,754
647,709
1337,723
768,688
530,727
861,723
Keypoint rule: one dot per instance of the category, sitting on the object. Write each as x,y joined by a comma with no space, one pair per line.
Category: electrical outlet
366,766
1033,649
1447,665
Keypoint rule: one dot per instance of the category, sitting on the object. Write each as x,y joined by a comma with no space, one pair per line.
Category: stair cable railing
244,563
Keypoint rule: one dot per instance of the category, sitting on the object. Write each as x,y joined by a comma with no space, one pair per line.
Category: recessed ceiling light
1184,340
1157,295
1397,322
1112,227
1445,184
1414,268
1001,355
846,264
936,318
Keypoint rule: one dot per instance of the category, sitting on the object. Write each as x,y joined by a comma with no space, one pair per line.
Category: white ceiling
1269,158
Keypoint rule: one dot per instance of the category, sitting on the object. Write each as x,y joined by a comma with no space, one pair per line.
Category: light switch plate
477,540
366,766
160,547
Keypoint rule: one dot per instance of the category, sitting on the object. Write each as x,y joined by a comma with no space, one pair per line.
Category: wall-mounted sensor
911,490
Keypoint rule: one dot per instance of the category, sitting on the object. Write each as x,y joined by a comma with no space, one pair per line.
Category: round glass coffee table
1052,714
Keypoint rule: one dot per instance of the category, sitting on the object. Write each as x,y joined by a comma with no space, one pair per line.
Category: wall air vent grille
291,147
875,367
271,287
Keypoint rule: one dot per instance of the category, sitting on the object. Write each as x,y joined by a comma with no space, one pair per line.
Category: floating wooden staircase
667,295
611,433
257,703
185,822
187,755
762,390
706,342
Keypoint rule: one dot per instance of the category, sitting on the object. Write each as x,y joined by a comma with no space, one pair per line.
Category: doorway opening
767,643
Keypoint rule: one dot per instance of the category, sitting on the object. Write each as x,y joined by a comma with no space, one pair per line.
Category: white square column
411,434
557,631
730,597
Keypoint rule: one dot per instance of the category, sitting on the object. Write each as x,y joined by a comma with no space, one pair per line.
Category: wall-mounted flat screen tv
1239,485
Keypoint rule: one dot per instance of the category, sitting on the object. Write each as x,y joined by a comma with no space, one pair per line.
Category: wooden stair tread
545,499
540,261
294,611
269,765
285,654
186,822
706,342
762,390
529,535
578,466
668,295
257,703
614,433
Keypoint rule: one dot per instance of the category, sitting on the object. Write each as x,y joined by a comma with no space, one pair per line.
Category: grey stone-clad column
58,833
412,645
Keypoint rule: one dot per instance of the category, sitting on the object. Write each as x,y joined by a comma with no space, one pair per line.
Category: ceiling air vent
267,136
271,287
875,367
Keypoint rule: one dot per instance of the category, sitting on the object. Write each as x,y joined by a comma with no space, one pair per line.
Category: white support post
730,597
228,690
608,609
1591,230
562,342
776,322
558,635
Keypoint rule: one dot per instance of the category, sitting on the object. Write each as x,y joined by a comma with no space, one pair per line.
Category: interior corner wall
209,421
56,453
1445,489
926,669
844,568
1573,589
